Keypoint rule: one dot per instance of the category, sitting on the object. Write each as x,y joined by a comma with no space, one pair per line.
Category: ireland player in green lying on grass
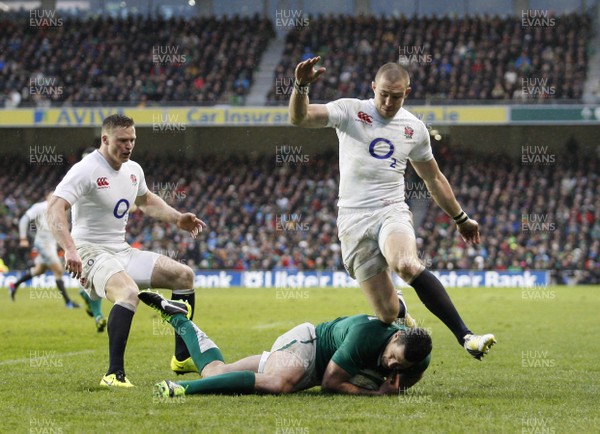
333,355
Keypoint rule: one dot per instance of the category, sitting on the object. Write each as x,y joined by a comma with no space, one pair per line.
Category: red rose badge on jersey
408,132
133,179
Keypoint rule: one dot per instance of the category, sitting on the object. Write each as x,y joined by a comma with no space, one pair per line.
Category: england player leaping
101,189
376,138
45,245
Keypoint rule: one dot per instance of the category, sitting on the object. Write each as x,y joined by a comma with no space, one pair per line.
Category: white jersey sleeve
100,198
37,214
421,152
75,185
338,113
24,225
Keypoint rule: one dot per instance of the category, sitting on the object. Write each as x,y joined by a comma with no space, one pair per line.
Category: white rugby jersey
374,150
37,214
100,198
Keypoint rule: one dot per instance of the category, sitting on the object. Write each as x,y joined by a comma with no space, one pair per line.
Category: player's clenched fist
469,231
391,386
73,264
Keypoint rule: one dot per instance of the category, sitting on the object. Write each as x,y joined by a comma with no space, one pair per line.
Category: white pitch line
271,325
54,356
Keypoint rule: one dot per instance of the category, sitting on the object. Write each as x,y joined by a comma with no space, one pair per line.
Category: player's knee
186,278
388,315
407,267
182,277
282,385
130,296
127,294
216,367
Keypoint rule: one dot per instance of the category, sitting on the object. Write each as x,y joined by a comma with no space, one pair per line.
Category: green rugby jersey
355,343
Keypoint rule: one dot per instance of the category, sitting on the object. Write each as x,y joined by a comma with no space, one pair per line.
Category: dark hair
417,344
117,121
394,72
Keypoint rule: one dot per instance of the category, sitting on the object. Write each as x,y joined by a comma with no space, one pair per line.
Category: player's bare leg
122,291
58,272
178,277
381,295
387,302
217,367
283,370
33,271
170,274
400,252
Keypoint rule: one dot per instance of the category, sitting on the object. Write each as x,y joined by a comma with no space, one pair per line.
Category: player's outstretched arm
155,207
302,113
56,214
443,195
23,224
337,380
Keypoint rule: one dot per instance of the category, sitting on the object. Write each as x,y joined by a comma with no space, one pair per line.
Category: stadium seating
262,215
145,61
132,61
479,58
533,217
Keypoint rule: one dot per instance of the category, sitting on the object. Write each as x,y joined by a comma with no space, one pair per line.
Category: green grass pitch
543,376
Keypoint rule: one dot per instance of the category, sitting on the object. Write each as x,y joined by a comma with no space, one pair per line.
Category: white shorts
362,233
101,262
46,253
301,341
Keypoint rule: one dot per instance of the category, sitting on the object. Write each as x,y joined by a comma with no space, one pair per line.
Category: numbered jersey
100,198
374,150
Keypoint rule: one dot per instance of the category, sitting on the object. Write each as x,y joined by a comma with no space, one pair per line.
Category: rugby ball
368,379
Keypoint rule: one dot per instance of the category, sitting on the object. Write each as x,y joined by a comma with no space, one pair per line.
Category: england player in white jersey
45,246
100,191
376,139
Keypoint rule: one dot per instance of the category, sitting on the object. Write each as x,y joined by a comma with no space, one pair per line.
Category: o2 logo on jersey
121,208
380,153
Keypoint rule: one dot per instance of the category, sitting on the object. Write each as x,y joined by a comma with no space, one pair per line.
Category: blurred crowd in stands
472,58
149,61
130,61
262,214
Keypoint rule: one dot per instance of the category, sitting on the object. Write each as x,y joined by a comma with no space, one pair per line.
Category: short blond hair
393,72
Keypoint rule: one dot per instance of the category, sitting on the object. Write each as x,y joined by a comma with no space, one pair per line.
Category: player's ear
104,139
373,86
407,91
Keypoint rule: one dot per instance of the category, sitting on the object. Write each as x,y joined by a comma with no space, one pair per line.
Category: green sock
201,348
231,383
95,305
